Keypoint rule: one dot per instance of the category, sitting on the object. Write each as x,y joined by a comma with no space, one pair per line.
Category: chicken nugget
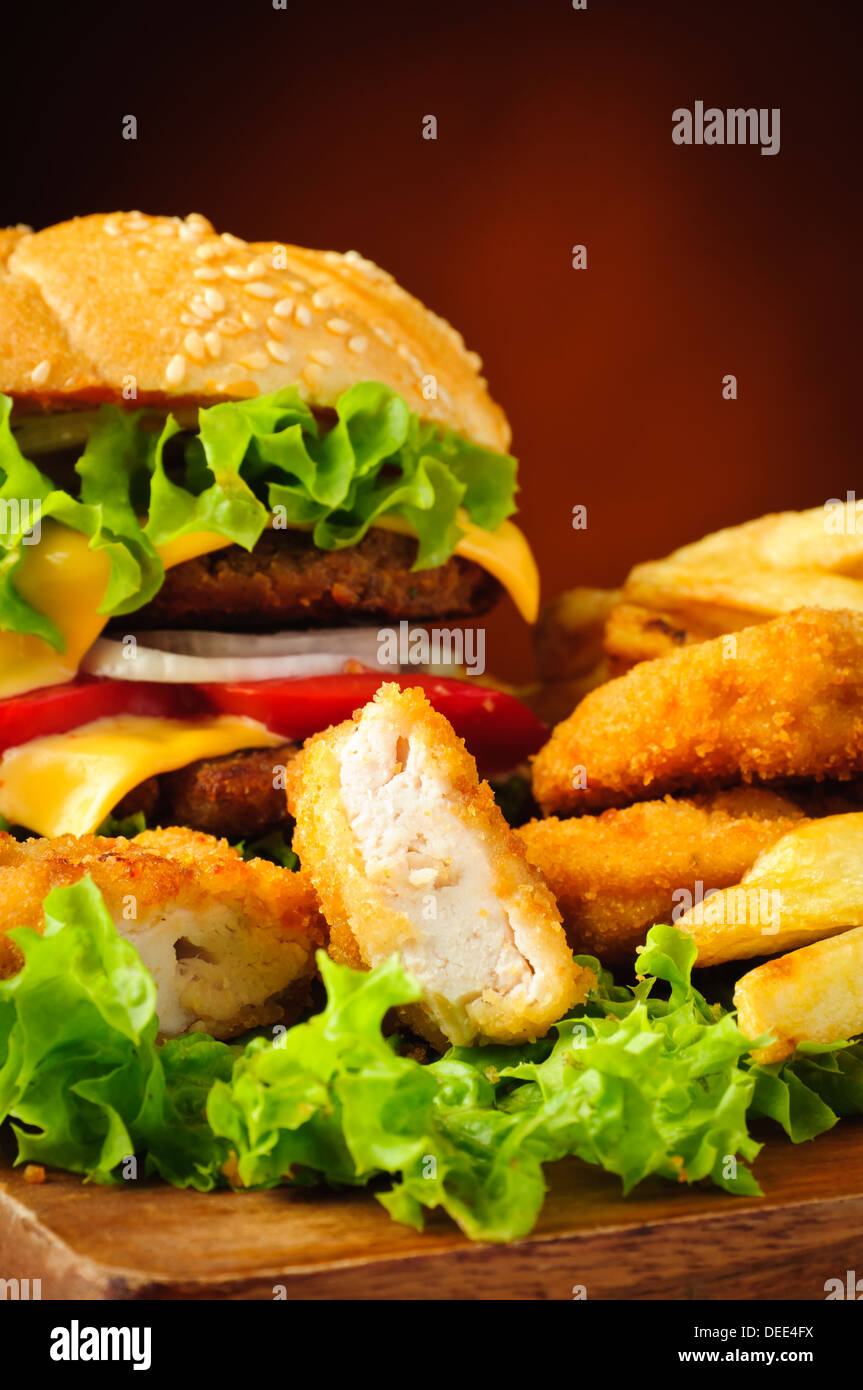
409,854
230,944
814,994
616,874
783,699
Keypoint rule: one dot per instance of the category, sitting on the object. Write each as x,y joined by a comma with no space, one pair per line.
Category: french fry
568,638
735,577
814,994
806,887
568,647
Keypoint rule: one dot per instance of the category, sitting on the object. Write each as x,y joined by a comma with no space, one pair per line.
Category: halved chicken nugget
409,854
230,944
811,995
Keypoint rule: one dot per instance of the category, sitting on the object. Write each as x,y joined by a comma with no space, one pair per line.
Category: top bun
165,307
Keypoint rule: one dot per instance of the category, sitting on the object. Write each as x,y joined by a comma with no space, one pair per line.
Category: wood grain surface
663,1242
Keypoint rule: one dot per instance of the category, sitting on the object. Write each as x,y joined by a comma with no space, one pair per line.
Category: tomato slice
498,729
58,708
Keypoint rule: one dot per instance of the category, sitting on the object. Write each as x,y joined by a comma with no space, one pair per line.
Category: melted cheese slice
65,580
66,784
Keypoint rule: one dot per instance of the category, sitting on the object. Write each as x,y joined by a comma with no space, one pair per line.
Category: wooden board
152,1242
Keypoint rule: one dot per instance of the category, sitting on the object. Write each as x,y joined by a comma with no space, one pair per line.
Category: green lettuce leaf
135,570
642,1080
247,460
80,1070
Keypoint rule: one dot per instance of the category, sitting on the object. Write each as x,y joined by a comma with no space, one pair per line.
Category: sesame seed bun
182,315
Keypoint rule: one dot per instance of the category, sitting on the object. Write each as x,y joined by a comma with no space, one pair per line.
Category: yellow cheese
67,783
61,578
65,580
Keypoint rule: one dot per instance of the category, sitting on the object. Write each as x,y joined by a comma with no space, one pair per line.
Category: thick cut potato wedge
807,886
811,995
735,577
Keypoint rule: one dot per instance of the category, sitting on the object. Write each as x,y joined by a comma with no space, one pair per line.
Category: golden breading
616,874
409,854
230,944
779,700
814,994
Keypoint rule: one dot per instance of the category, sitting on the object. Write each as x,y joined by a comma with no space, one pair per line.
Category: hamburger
227,467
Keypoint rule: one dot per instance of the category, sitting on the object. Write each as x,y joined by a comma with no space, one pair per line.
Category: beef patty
287,580
239,796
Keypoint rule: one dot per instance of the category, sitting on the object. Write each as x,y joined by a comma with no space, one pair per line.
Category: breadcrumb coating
783,699
408,853
230,943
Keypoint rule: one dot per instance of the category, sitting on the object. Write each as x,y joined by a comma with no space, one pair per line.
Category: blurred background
554,128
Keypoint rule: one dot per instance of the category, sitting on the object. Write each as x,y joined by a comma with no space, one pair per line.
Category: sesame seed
175,370
256,268
321,299
298,285
135,222
475,360
206,272
383,335
215,300
236,272
340,326
358,343
194,345
190,320
230,240
207,250
229,327
39,374
311,374
213,343
255,360
276,327
249,319
322,356
303,315
260,289
112,229
283,309
197,219
187,233
200,307
277,352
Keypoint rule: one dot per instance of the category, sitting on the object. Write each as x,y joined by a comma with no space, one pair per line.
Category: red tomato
58,708
498,729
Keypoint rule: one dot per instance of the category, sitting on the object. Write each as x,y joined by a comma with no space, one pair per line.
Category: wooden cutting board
152,1242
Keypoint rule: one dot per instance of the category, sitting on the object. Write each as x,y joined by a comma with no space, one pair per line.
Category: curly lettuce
647,1080
248,462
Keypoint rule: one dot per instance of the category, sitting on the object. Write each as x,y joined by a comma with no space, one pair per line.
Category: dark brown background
554,128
